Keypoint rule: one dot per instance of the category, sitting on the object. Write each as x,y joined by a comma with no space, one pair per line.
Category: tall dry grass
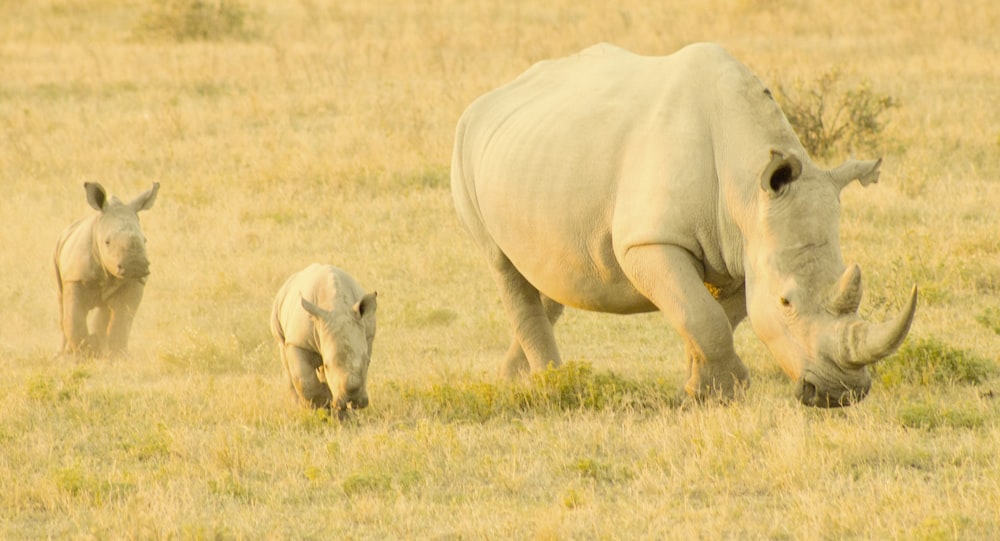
322,132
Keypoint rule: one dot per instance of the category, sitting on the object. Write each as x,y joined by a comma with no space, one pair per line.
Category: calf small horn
846,296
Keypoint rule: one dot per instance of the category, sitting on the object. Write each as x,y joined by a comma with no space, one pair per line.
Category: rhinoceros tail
276,329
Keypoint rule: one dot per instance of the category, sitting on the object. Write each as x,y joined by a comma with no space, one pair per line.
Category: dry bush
828,119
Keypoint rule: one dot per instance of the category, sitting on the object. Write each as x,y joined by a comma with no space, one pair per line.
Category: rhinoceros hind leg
670,277
515,362
531,324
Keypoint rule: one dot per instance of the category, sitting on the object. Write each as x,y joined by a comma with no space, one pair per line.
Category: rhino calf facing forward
101,266
325,325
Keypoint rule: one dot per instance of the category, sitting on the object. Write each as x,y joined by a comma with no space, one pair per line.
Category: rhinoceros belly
563,250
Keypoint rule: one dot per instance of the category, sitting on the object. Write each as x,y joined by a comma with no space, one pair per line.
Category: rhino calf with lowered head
621,183
101,270
324,323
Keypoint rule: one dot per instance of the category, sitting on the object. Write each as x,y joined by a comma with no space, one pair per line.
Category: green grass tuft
930,416
930,361
195,20
572,387
990,318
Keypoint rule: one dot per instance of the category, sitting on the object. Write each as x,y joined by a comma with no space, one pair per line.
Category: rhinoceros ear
96,195
145,201
865,171
366,306
780,172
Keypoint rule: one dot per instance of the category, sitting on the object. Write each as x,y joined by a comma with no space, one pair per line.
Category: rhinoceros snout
134,269
360,402
352,403
820,397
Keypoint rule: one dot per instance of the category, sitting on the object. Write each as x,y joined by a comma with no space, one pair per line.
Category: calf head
120,244
801,298
345,340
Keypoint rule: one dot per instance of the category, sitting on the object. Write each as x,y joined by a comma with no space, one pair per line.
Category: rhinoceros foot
718,380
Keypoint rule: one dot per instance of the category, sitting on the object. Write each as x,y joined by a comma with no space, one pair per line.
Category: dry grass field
285,133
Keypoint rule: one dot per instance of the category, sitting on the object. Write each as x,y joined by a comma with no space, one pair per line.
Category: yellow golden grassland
324,134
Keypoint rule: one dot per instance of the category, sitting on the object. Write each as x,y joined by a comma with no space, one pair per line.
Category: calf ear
145,201
367,305
96,195
780,172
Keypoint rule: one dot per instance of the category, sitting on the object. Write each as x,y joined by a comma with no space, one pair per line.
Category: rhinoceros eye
785,302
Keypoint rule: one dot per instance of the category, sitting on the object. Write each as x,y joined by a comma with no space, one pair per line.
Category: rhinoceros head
120,244
346,343
801,299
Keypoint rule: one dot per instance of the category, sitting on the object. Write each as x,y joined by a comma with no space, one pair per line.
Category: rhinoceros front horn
859,343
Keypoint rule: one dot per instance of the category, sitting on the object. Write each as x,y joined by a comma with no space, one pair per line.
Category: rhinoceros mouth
358,403
818,395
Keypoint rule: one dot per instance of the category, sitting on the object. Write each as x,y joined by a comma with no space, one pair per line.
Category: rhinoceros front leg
97,323
122,307
302,368
515,362
532,326
669,276
76,300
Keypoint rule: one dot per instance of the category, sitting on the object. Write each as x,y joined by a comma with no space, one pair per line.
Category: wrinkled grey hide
325,326
620,183
101,270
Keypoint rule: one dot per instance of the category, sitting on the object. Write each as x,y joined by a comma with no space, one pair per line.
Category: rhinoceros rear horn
865,343
846,296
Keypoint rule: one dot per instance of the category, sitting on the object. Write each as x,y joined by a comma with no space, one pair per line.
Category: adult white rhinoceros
620,183
324,323
101,266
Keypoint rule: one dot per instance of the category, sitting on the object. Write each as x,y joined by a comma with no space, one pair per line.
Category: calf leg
669,276
302,367
123,306
76,301
97,324
532,327
515,362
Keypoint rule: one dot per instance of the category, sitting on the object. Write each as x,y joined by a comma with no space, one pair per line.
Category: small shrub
195,20
232,486
930,361
359,483
829,120
990,319
600,471
573,498
80,482
369,482
47,387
